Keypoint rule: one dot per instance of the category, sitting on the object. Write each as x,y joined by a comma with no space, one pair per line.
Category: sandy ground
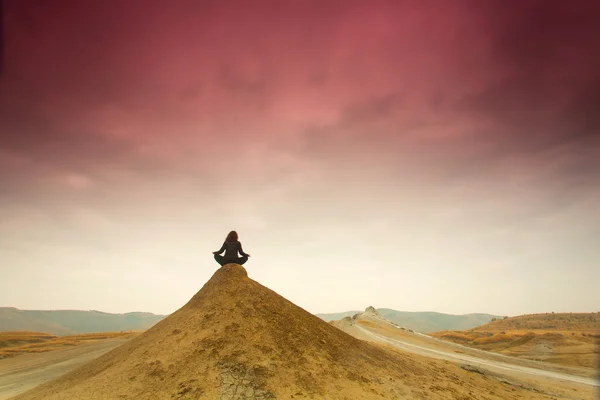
21,373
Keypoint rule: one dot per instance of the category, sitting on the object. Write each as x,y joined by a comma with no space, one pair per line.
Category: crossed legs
238,260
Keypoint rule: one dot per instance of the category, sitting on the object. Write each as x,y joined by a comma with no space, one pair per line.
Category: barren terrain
569,339
238,340
26,371
559,381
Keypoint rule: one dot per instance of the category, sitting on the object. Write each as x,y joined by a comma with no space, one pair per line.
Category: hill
236,339
71,322
547,322
422,321
335,316
561,338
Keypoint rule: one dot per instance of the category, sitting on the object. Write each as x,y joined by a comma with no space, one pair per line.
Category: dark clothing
231,254
237,260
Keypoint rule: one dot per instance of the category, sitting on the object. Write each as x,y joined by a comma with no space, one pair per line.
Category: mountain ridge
71,322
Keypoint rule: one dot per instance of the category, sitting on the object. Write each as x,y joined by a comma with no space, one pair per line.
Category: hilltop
72,322
422,321
236,339
561,338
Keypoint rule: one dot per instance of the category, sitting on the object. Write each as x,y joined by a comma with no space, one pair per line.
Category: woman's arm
241,250
222,249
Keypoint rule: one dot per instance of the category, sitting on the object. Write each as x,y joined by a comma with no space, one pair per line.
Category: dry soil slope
237,339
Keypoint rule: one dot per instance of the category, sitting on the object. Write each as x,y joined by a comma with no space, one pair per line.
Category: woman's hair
232,237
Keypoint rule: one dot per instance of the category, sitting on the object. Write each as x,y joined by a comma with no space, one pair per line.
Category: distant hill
71,322
577,322
423,321
336,316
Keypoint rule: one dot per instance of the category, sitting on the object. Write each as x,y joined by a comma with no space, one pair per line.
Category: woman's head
232,237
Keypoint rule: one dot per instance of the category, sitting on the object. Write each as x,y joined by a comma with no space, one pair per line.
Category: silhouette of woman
231,246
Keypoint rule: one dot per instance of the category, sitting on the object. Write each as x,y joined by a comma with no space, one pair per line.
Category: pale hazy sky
416,155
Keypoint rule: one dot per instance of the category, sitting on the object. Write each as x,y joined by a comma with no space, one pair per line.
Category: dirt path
26,371
473,360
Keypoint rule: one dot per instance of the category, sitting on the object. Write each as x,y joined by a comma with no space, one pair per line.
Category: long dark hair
232,237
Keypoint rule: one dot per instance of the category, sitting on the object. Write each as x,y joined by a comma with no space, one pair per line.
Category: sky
424,155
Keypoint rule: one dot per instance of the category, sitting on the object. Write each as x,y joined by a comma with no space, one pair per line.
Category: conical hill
236,339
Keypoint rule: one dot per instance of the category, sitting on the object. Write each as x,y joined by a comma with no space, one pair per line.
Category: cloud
547,72
464,127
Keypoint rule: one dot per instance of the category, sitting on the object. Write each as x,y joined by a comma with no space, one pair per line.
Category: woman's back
231,248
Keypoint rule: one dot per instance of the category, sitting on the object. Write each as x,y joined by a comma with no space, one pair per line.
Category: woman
231,246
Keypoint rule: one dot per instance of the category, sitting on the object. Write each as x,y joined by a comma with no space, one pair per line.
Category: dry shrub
456,337
16,338
497,338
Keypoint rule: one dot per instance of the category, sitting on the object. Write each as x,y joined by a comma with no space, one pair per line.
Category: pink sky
416,155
